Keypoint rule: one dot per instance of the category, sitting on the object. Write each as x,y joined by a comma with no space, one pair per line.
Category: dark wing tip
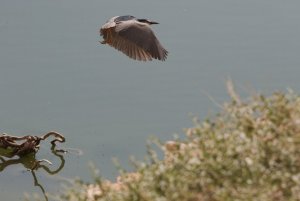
157,50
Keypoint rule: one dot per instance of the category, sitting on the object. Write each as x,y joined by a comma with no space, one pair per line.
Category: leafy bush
249,151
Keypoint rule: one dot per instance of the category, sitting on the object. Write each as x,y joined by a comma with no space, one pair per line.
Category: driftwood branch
26,148
27,144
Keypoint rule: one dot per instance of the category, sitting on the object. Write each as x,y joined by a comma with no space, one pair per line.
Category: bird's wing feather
142,36
130,49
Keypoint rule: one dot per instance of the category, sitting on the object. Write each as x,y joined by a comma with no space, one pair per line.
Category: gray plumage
133,37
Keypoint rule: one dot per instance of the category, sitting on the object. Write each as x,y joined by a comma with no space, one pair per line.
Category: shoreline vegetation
250,150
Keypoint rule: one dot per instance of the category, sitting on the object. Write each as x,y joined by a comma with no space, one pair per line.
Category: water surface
54,75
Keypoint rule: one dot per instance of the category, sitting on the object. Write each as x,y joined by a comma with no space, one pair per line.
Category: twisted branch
27,144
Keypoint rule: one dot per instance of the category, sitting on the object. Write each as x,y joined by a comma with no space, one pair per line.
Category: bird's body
133,37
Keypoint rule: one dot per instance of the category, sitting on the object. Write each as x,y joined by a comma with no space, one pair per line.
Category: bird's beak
152,22
147,21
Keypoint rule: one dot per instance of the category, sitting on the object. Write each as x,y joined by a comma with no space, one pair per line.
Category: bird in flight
134,37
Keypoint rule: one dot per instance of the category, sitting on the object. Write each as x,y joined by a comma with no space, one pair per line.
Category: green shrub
249,151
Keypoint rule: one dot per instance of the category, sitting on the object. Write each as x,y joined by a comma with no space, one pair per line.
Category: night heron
133,37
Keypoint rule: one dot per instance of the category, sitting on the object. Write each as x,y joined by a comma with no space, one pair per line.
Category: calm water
54,75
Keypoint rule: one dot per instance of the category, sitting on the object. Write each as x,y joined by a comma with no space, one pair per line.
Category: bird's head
147,21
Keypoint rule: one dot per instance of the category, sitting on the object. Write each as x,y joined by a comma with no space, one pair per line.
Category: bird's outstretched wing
129,48
142,36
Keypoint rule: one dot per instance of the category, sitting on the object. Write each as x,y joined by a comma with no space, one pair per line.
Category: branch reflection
30,162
